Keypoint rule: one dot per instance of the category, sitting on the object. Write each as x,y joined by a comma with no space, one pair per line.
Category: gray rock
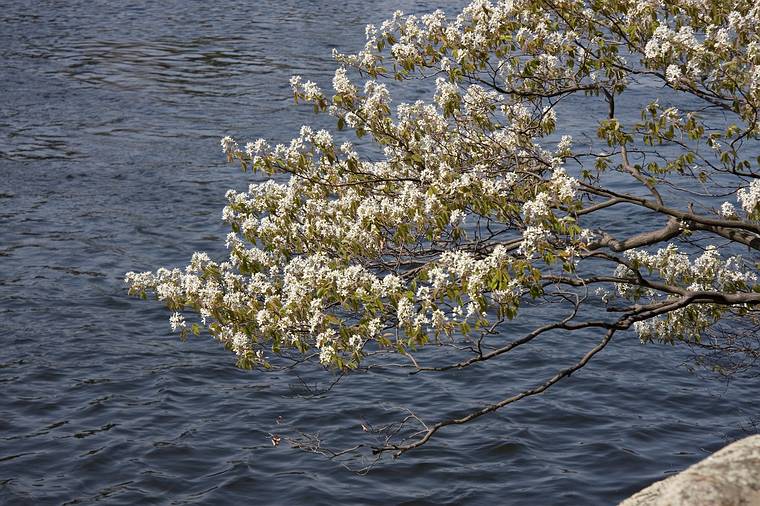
729,477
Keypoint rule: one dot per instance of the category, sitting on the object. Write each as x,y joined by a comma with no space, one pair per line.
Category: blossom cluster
708,272
463,205
749,198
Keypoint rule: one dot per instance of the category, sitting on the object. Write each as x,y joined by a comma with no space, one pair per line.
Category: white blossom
229,146
177,322
749,197
673,73
341,83
727,210
533,238
405,312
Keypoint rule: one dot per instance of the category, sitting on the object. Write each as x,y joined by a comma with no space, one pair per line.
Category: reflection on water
110,117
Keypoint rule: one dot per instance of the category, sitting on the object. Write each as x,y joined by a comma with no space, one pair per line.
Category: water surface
110,119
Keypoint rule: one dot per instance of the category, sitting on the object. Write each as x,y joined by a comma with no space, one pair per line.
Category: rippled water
110,116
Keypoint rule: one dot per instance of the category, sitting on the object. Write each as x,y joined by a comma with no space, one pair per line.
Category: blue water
110,119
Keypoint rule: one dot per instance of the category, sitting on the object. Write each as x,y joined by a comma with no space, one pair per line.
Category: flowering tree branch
482,204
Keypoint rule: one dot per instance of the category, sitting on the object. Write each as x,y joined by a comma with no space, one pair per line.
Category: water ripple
109,124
